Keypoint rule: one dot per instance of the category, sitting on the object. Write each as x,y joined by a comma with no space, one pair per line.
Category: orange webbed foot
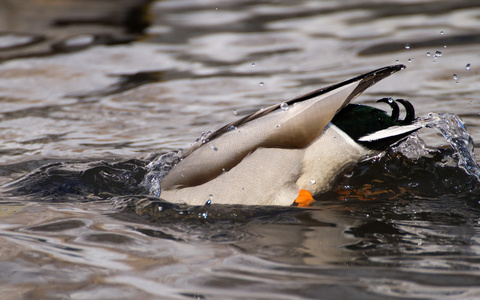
304,198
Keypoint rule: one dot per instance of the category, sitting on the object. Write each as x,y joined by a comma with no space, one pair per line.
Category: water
454,131
96,100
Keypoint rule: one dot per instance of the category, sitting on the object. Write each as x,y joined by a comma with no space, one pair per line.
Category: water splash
157,169
203,137
454,131
203,214
413,147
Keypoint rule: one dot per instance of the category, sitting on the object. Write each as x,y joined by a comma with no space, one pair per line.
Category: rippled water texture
91,92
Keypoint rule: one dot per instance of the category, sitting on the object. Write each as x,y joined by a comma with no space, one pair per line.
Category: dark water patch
131,81
69,181
134,17
121,145
38,29
394,175
49,138
45,111
109,238
128,82
375,227
426,43
420,285
155,233
158,211
8,170
412,232
401,9
58,226
44,242
15,152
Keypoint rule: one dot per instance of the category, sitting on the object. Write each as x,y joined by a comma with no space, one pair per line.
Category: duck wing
272,127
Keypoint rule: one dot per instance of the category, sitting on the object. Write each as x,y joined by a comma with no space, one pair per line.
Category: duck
289,152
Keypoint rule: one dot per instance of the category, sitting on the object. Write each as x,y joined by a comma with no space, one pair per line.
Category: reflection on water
93,94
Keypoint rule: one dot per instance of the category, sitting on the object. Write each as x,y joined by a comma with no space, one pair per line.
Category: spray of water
157,169
455,133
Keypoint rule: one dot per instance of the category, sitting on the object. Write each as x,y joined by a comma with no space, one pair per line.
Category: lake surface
93,91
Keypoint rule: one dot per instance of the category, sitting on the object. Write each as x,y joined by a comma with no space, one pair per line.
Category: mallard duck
288,152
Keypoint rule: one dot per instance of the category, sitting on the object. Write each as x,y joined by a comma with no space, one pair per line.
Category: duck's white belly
273,176
326,157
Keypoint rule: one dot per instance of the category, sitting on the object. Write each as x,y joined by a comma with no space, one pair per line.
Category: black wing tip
391,68
368,78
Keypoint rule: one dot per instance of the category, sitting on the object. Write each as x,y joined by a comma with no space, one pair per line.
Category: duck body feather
274,176
265,158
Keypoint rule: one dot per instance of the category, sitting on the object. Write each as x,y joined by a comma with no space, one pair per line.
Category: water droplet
410,60
231,128
223,170
313,181
407,46
467,67
438,53
278,125
253,64
396,61
441,32
214,148
210,198
261,83
284,106
445,46
428,53
235,112
455,77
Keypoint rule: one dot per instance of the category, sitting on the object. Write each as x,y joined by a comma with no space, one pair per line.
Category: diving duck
289,152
